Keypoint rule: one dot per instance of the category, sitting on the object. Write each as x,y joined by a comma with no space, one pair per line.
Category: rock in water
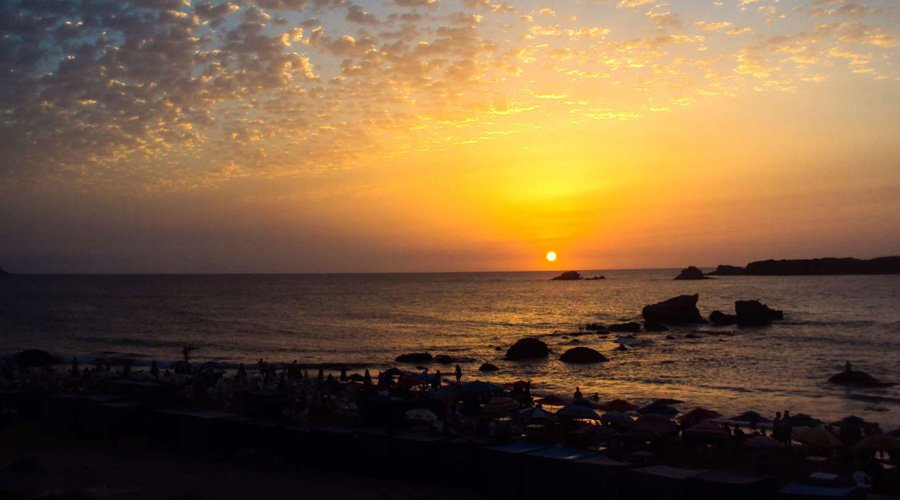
630,327
675,311
725,270
595,327
654,327
527,348
443,359
691,273
568,276
582,355
488,367
415,357
857,378
35,358
722,319
755,313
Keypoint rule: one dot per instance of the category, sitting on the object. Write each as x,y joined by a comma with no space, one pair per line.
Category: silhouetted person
786,428
578,396
367,378
242,373
321,375
458,374
436,380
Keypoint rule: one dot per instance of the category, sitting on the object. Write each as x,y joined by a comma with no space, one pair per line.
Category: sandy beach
37,464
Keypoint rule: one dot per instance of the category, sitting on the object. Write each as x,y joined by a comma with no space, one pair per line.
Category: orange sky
419,135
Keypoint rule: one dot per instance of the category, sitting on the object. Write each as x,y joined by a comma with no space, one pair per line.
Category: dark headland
812,267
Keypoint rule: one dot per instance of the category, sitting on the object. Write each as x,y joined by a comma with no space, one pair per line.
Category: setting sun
551,256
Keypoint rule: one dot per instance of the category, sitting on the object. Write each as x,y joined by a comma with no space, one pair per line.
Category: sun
551,256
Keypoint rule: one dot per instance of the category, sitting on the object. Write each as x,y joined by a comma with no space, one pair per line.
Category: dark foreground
42,464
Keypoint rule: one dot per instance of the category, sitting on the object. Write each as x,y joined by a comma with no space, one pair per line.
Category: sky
180,136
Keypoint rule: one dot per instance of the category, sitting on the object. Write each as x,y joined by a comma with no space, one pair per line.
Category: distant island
575,276
811,267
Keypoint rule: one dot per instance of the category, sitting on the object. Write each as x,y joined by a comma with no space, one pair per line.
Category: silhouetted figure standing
436,380
367,378
458,374
578,396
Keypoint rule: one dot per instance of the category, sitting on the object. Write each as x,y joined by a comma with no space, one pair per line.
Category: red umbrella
619,405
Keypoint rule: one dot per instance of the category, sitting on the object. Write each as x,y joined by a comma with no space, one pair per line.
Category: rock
675,311
670,337
415,357
595,327
631,326
596,278
755,313
651,326
35,358
724,270
722,319
443,359
488,367
569,276
582,355
826,266
857,378
691,273
527,348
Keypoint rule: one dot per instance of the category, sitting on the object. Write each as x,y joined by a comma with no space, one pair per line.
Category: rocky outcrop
596,278
568,276
35,358
726,270
595,327
630,327
651,326
582,355
722,319
415,357
488,367
755,313
527,348
806,267
691,273
443,359
679,310
857,378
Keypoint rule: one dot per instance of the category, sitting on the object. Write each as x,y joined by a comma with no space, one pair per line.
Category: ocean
368,319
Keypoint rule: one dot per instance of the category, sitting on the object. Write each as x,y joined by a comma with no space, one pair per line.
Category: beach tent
578,411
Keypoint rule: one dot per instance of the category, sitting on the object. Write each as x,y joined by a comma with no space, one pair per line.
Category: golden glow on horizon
551,256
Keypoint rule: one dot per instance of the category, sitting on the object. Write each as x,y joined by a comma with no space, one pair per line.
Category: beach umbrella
751,417
816,436
878,442
617,419
762,443
596,432
501,404
654,424
697,415
853,422
421,415
479,387
707,431
535,413
658,408
553,400
578,411
803,420
618,405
